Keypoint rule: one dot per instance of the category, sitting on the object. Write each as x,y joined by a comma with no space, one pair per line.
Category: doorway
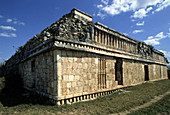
33,73
118,71
146,73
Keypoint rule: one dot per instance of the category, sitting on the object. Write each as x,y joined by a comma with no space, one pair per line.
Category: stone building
76,59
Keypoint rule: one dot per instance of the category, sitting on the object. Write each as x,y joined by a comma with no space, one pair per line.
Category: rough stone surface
75,59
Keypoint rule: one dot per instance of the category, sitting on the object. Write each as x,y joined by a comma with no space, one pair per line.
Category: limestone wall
38,73
133,72
157,72
79,72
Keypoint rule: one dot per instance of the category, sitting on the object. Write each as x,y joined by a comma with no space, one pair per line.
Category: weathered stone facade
75,59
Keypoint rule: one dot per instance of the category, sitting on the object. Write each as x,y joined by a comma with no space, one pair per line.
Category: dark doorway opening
146,73
33,73
118,71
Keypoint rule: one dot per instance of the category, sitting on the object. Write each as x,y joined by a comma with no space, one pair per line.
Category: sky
143,20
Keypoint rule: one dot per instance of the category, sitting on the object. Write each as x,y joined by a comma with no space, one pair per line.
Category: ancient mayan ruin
76,59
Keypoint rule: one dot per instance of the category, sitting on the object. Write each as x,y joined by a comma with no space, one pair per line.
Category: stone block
68,84
71,77
69,71
77,77
79,60
66,77
75,59
73,84
70,59
64,90
69,65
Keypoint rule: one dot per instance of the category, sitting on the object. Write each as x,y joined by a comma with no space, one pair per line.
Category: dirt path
157,98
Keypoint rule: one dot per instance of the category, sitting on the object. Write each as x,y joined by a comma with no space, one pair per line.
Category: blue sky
143,20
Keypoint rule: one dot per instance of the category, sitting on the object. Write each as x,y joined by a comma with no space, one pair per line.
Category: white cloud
149,9
137,31
167,54
9,20
105,1
160,35
19,23
100,6
8,35
152,42
150,37
1,16
102,16
116,8
15,21
163,5
140,23
22,23
7,28
141,13
125,34
155,40
140,7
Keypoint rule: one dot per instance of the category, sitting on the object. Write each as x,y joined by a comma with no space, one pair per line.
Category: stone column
92,33
119,43
59,72
132,47
55,73
116,42
135,48
96,35
125,45
122,44
112,41
105,38
108,40
99,36
128,48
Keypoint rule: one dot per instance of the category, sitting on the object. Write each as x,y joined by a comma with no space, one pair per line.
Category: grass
162,107
12,102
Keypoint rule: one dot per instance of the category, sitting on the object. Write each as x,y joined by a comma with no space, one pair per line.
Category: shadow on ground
13,93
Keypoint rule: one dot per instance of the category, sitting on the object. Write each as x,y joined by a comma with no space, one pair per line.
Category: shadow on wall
12,93
168,74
